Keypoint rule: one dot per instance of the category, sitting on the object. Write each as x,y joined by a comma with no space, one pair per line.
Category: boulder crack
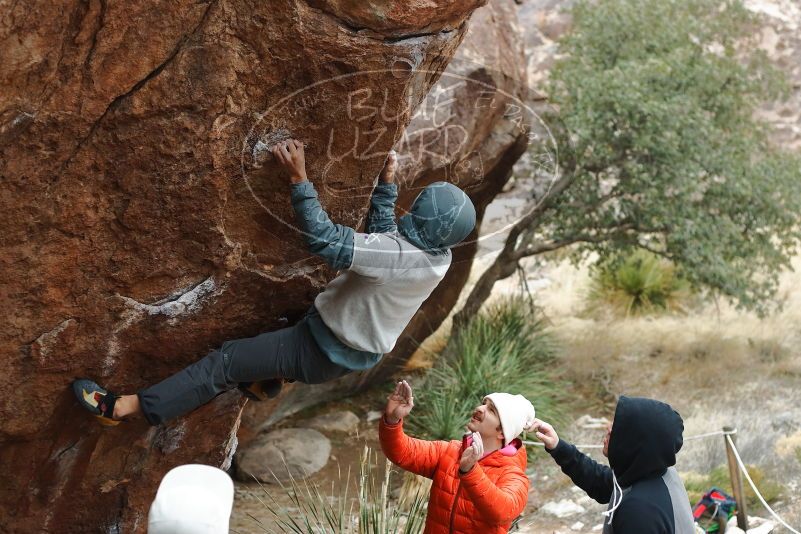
117,101
101,19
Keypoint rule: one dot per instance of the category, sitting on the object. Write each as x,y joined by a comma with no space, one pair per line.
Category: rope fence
688,438
744,471
736,469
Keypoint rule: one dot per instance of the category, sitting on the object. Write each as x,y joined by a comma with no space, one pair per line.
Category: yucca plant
638,283
317,513
505,348
379,516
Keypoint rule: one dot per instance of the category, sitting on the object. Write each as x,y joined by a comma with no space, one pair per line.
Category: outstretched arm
332,242
381,217
416,455
586,473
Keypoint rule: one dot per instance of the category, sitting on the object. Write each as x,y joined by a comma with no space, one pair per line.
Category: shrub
769,489
638,283
505,348
335,514
697,485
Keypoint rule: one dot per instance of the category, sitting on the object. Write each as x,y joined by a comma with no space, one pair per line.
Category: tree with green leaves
659,149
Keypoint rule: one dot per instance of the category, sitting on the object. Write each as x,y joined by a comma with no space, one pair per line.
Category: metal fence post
736,479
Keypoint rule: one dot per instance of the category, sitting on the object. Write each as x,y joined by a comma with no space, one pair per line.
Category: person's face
606,439
485,421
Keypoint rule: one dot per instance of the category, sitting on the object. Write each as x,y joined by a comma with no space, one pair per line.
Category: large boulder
144,221
471,129
284,455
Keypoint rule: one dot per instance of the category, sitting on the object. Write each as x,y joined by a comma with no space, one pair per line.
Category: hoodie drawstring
617,499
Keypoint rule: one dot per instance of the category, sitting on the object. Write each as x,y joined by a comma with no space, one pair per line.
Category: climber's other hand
290,154
387,175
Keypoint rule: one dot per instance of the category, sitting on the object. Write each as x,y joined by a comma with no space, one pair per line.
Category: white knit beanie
192,499
515,412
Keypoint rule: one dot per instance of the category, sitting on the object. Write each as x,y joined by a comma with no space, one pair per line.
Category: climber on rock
480,484
385,275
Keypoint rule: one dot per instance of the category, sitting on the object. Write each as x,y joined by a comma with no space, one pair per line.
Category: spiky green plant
379,516
335,514
505,348
638,283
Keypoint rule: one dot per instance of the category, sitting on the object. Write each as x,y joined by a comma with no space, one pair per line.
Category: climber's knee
226,367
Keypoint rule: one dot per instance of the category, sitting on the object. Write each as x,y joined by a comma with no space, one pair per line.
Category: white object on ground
343,421
758,525
563,508
589,422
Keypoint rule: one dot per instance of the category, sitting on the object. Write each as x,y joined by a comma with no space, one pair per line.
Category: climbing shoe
97,400
262,390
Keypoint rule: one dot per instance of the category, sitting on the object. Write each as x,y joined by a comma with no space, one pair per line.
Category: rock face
283,455
471,129
780,38
144,221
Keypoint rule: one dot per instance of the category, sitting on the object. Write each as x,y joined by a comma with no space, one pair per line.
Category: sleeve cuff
561,451
302,191
385,424
387,188
474,475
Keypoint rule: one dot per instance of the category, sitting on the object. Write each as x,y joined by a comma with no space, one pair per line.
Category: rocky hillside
780,38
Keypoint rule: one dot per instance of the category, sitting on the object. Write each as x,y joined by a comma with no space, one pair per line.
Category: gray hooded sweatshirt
386,273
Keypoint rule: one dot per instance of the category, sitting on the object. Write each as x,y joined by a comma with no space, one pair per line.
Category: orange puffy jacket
484,500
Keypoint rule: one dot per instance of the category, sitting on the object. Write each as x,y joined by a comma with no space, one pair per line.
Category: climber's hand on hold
290,154
388,172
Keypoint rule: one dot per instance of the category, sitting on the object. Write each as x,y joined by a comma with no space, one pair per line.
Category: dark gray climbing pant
290,353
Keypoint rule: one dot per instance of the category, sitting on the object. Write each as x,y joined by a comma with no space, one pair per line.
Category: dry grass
789,445
701,349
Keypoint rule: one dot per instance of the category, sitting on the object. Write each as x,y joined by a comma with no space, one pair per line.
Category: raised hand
545,433
290,154
399,403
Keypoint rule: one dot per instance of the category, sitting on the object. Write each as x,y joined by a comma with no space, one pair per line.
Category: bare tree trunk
517,244
503,267
513,251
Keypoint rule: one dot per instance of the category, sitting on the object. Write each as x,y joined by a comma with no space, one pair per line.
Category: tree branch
579,238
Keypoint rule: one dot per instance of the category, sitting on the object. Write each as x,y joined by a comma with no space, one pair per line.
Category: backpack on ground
714,509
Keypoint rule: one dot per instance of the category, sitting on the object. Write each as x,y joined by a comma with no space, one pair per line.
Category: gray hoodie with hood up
643,489
385,273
